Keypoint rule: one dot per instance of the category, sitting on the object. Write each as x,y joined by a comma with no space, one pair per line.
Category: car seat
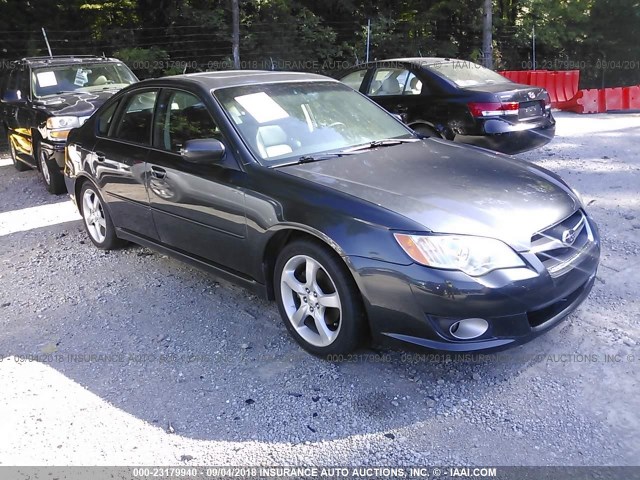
272,141
390,86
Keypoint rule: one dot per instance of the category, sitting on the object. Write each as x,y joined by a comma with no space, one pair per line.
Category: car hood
79,104
451,188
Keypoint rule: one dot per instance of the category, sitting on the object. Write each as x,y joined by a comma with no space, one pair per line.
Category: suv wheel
318,300
19,165
97,220
51,174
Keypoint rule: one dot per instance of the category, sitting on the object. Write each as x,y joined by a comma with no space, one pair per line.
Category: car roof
234,78
61,60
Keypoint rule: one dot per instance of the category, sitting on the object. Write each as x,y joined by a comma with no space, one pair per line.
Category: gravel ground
197,371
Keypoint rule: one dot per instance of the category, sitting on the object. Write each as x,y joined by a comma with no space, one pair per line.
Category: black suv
43,98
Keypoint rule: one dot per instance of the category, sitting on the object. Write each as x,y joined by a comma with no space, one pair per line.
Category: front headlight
62,123
472,255
578,196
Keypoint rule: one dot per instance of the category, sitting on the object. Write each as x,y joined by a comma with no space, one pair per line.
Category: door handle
101,157
158,172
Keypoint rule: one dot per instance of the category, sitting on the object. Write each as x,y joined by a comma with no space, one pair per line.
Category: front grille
560,246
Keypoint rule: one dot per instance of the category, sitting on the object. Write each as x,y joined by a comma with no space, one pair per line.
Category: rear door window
134,124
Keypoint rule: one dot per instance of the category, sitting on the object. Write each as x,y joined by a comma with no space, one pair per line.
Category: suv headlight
62,123
474,256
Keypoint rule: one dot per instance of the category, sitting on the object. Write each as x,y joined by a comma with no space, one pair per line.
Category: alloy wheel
93,213
311,300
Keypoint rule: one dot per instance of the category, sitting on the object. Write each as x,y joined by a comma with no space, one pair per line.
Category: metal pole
533,47
487,34
368,38
44,34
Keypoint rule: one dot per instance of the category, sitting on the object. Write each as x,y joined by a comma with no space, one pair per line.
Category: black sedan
458,100
304,191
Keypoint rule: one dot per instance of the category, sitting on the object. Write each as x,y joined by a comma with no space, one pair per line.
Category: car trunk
532,102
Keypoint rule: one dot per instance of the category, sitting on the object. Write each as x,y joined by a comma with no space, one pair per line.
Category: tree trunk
487,34
235,38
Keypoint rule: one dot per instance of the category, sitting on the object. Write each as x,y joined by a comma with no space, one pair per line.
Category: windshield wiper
314,158
388,142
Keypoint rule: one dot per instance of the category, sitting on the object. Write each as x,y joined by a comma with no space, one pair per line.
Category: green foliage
167,36
145,62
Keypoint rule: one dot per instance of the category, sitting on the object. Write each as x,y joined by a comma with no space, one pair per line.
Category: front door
198,209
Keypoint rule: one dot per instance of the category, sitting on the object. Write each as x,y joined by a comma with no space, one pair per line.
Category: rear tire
318,299
18,164
97,221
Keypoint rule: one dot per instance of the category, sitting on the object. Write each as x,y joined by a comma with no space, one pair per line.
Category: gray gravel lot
197,371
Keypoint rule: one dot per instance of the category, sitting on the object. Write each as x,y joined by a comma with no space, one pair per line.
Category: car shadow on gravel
202,359
207,360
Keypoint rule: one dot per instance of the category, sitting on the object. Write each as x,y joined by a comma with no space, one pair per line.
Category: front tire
18,165
49,170
318,299
97,221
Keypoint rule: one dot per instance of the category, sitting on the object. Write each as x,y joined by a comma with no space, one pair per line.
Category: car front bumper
510,137
55,151
416,305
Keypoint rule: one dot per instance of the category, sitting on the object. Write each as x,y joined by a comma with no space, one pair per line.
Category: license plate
530,110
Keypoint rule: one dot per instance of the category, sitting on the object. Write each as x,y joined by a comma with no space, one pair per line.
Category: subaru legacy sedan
305,191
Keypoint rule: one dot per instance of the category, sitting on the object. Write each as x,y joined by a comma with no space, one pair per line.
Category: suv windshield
85,77
467,74
284,121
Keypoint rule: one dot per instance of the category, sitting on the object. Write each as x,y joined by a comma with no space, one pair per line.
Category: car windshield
467,74
80,78
281,122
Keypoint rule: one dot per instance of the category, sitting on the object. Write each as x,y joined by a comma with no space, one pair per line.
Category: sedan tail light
493,109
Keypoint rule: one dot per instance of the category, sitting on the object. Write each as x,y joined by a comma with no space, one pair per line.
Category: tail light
546,103
493,109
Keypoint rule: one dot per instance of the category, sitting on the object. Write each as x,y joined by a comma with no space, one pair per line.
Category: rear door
399,91
198,209
119,157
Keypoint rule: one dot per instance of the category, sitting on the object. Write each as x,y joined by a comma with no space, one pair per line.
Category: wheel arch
78,184
425,123
288,234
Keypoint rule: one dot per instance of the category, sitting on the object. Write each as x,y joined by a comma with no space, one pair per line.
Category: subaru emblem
568,237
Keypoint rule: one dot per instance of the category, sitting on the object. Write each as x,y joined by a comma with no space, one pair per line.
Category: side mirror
13,96
207,151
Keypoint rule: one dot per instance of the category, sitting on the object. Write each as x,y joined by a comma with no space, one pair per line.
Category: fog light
469,328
